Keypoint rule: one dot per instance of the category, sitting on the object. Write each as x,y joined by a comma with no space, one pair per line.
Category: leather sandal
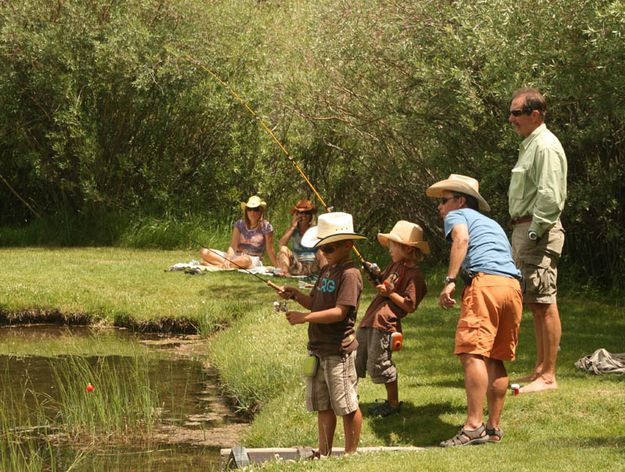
466,437
494,435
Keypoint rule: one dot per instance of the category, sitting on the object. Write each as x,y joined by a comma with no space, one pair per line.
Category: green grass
578,427
123,287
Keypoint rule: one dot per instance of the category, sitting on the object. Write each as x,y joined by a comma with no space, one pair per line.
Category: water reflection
193,423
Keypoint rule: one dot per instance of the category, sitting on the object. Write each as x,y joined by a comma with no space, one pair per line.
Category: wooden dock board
240,456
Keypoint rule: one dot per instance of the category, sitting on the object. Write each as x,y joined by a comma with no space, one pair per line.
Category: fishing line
19,197
268,282
263,125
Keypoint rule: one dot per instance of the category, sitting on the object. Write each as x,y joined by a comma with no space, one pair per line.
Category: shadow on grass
415,425
617,442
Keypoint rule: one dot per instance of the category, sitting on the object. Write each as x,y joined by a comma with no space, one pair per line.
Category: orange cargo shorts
490,317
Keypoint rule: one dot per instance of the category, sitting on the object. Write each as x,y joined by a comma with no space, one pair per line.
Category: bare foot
539,385
527,378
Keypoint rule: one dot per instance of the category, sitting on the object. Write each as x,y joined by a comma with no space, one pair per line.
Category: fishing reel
373,271
281,306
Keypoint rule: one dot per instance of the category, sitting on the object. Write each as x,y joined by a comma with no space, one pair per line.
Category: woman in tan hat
251,237
401,290
300,260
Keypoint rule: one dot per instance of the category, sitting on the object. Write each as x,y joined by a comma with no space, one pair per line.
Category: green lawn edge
258,354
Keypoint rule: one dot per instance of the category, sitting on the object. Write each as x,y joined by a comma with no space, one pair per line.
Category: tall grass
24,444
121,404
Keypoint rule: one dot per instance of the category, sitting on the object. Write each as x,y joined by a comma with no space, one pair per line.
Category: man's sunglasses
522,111
444,200
328,248
306,212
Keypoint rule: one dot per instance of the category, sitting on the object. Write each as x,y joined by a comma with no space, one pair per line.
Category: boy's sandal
386,409
374,409
466,437
494,435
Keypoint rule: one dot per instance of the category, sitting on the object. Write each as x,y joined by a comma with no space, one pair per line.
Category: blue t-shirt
489,249
302,253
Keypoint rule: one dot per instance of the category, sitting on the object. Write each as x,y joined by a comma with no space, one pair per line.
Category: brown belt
521,219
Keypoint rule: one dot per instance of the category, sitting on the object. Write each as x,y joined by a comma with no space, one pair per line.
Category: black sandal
494,435
466,437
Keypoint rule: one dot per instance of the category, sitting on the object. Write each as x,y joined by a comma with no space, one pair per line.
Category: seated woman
301,260
251,236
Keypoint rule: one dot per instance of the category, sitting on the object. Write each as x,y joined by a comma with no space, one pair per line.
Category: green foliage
113,108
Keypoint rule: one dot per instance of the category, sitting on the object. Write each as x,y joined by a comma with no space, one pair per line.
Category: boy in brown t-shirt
400,293
332,391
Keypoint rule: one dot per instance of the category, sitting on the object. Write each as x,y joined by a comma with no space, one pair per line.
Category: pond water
51,373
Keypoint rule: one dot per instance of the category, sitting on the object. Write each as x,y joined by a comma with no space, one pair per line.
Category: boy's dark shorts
375,356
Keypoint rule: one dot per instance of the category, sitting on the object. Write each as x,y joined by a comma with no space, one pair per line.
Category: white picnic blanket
602,362
195,267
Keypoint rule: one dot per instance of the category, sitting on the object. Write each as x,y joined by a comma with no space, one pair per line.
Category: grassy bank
120,287
578,427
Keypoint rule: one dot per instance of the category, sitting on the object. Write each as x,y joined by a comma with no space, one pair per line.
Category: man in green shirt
536,198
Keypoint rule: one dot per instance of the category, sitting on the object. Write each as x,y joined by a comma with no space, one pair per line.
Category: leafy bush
114,107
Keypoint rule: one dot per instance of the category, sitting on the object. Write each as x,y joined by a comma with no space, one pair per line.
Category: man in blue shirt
490,314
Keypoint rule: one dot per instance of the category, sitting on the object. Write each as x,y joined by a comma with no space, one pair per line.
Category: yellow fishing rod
371,268
262,124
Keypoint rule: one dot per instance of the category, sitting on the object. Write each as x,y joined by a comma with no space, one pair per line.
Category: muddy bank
44,316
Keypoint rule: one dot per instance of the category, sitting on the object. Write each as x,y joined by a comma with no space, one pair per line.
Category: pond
106,399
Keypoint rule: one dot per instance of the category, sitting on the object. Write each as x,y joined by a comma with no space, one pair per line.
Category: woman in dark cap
299,260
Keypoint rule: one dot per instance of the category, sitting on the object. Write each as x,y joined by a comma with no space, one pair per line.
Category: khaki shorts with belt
538,261
334,386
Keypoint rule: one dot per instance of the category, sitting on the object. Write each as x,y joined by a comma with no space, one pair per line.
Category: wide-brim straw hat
461,184
407,233
253,202
331,227
303,205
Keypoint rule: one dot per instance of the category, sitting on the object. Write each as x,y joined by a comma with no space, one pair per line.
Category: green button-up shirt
538,183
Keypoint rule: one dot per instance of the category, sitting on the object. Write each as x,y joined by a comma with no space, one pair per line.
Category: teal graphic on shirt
327,285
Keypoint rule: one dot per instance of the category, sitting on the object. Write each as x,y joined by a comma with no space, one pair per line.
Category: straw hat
303,205
405,232
253,202
459,183
331,227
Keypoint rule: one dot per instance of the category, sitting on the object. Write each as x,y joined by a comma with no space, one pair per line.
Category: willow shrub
112,106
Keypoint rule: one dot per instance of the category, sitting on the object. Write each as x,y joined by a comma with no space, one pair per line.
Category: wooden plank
234,456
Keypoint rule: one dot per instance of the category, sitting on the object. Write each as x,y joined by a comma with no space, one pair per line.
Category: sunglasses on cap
522,111
253,209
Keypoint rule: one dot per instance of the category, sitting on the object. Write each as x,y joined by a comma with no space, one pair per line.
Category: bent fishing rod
268,282
371,268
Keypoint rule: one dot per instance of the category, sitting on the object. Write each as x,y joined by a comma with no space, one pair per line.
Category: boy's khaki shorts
374,356
490,317
538,262
335,386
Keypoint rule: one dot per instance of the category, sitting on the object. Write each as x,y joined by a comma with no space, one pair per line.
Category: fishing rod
263,124
217,253
372,269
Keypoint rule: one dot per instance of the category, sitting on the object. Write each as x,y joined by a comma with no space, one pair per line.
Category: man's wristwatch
532,236
450,280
